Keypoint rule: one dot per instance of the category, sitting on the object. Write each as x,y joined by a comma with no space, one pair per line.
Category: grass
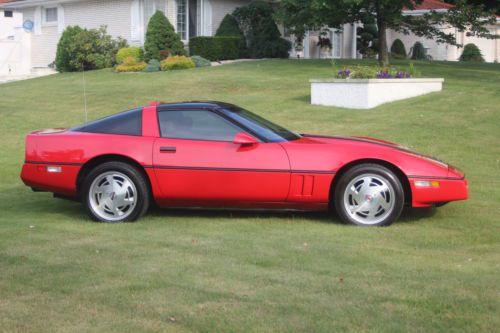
436,270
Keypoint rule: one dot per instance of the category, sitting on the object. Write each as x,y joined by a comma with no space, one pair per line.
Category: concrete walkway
228,62
12,78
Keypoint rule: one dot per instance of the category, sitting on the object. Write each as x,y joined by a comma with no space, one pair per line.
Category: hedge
398,50
215,48
471,53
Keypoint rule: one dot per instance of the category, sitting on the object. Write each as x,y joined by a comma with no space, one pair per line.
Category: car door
196,159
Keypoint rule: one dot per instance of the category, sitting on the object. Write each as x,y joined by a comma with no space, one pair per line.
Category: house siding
490,48
115,14
221,8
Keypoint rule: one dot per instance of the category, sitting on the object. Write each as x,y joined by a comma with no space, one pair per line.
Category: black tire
392,197
142,197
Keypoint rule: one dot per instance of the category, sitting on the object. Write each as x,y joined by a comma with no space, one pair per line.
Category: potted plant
299,50
325,45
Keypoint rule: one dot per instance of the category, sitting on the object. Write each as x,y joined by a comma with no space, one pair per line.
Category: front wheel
369,195
115,192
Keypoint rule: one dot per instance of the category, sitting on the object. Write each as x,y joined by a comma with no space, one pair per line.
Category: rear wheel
369,195
115,192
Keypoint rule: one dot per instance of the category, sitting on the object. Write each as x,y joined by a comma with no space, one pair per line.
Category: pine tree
161,36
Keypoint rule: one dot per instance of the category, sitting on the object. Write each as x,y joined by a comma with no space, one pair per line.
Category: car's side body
296,174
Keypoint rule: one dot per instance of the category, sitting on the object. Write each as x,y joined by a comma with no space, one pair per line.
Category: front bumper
449,189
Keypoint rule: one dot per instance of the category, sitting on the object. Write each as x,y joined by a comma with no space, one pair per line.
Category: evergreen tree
161,36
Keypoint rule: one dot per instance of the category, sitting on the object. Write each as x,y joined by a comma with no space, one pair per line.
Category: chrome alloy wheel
369,199
112,196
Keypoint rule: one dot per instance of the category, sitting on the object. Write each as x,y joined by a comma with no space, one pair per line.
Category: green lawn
184,271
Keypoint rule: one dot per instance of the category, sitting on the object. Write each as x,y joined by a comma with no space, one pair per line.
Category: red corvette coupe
212,154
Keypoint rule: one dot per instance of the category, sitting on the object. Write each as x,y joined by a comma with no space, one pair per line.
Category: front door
196,160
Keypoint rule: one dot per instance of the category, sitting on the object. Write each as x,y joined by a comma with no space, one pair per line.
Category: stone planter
369,93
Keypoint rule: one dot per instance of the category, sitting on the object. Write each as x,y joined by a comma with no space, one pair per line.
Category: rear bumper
36,175
449,189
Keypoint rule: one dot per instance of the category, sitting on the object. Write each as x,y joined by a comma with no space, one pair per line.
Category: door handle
168,149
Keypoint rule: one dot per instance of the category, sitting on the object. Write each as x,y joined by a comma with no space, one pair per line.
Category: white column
354,53
305,44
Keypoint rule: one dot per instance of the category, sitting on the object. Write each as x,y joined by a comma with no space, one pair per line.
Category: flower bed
363,87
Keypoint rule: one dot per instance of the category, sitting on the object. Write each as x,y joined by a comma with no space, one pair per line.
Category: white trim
60,19
33,3
135,22
418,12
37,18
206,14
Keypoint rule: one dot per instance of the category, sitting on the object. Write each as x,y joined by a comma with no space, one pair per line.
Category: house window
181,19
50,16
188,18
8,13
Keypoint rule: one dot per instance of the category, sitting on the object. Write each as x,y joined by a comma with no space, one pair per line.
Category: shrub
367,72
262,34
153,66
398,50
164,54
88,49
418,51
215,48
363,72
200,61
135,52
130,64
471,53
177,62
63,54
367,39
161,35
229,28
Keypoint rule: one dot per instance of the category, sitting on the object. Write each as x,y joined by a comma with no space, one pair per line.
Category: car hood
363,139
383,144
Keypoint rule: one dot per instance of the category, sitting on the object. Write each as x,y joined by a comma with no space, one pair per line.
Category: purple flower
384,75
402,75
344,74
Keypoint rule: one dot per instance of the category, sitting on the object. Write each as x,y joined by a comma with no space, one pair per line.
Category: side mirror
244,139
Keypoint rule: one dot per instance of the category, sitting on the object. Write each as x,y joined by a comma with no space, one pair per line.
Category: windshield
263,127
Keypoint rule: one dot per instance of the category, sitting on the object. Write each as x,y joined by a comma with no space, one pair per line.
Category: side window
196,125
124,123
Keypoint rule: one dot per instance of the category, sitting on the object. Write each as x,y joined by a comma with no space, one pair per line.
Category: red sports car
213,154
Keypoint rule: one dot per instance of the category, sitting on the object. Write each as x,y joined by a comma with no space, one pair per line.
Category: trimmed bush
262,34
215,48
63,54
135,52
367,38
130,64
87,49
153,66
177,62
418,51
200,61
161,35
398,50
229,28
471,53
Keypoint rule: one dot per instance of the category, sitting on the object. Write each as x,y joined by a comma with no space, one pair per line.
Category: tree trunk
383,54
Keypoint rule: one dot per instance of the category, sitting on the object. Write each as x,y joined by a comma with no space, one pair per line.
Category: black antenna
84,93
